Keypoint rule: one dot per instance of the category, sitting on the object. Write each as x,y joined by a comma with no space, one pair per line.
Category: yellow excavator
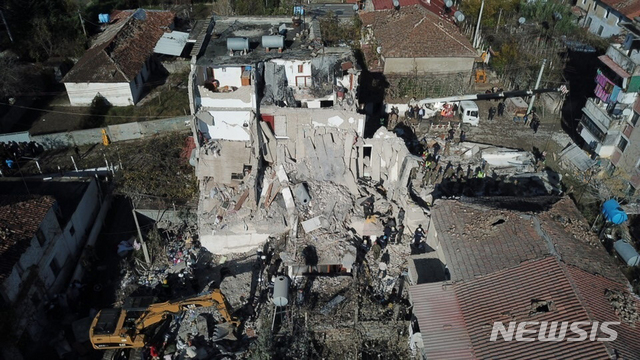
120,328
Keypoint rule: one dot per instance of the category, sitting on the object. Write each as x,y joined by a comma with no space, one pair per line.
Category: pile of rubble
624,304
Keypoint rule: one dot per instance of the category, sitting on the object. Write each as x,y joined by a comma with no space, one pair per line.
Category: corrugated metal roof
591,289
441,323
171,43
507,296
613,66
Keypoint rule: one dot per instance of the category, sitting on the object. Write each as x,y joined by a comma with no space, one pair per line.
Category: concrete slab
312,224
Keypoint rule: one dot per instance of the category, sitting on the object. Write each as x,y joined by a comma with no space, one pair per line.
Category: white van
469,113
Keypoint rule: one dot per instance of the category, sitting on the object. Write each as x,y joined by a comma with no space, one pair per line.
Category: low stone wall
122,132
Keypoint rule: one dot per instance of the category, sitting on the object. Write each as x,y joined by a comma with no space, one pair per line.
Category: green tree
490,13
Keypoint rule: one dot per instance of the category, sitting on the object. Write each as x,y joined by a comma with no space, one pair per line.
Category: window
634,118
606,13
300,69
622,144
237,176
600,30
55,267
41,238
592,128
72,230
584,2
588,23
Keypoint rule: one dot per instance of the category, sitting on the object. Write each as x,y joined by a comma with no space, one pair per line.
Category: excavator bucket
224,331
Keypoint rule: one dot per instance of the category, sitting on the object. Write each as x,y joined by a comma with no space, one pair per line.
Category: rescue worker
447,148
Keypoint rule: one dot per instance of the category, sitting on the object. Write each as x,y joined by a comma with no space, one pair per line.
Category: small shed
516,106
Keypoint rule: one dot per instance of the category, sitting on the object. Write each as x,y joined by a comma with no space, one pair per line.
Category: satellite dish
448,3
396,4
379,49
522,20
355,7
459,16
626,112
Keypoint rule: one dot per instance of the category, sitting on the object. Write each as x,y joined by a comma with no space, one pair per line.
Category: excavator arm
158,312
501,95
111,328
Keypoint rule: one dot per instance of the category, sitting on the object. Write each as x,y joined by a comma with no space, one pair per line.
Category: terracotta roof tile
591,289
628,8
414,32
119,53
20,218
478,240
508,295
452,316
442,325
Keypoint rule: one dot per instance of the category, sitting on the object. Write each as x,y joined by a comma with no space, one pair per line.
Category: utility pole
476,37
145,251
82,23
6,25
533,98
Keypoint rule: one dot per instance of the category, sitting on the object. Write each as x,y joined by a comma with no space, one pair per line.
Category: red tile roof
591,289
119,53
442,325
388,4
478,240
628,8
451,315
20,218
414,32
507,296
435,6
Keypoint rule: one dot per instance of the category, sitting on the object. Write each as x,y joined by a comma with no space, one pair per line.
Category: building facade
609,120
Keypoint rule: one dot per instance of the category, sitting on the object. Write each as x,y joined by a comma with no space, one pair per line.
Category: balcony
602,115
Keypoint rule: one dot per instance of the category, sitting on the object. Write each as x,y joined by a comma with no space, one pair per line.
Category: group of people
499,111
12,151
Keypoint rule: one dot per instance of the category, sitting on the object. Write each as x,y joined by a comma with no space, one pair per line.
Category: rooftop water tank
281,291
613,212
628,254
459,16
273,41
238,44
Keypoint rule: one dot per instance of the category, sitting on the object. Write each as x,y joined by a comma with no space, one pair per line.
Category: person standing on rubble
438,176
400,234
382,270
447,148
426,176
452,133
401,216
449,172
463,136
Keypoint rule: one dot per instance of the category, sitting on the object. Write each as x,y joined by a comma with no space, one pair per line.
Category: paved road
344,11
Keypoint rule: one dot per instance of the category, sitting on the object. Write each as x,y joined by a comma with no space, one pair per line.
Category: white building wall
608,30
229,125
228,76
293,73
118,94
82,94
208,102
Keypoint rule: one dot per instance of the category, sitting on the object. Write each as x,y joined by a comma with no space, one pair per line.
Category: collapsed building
276,114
